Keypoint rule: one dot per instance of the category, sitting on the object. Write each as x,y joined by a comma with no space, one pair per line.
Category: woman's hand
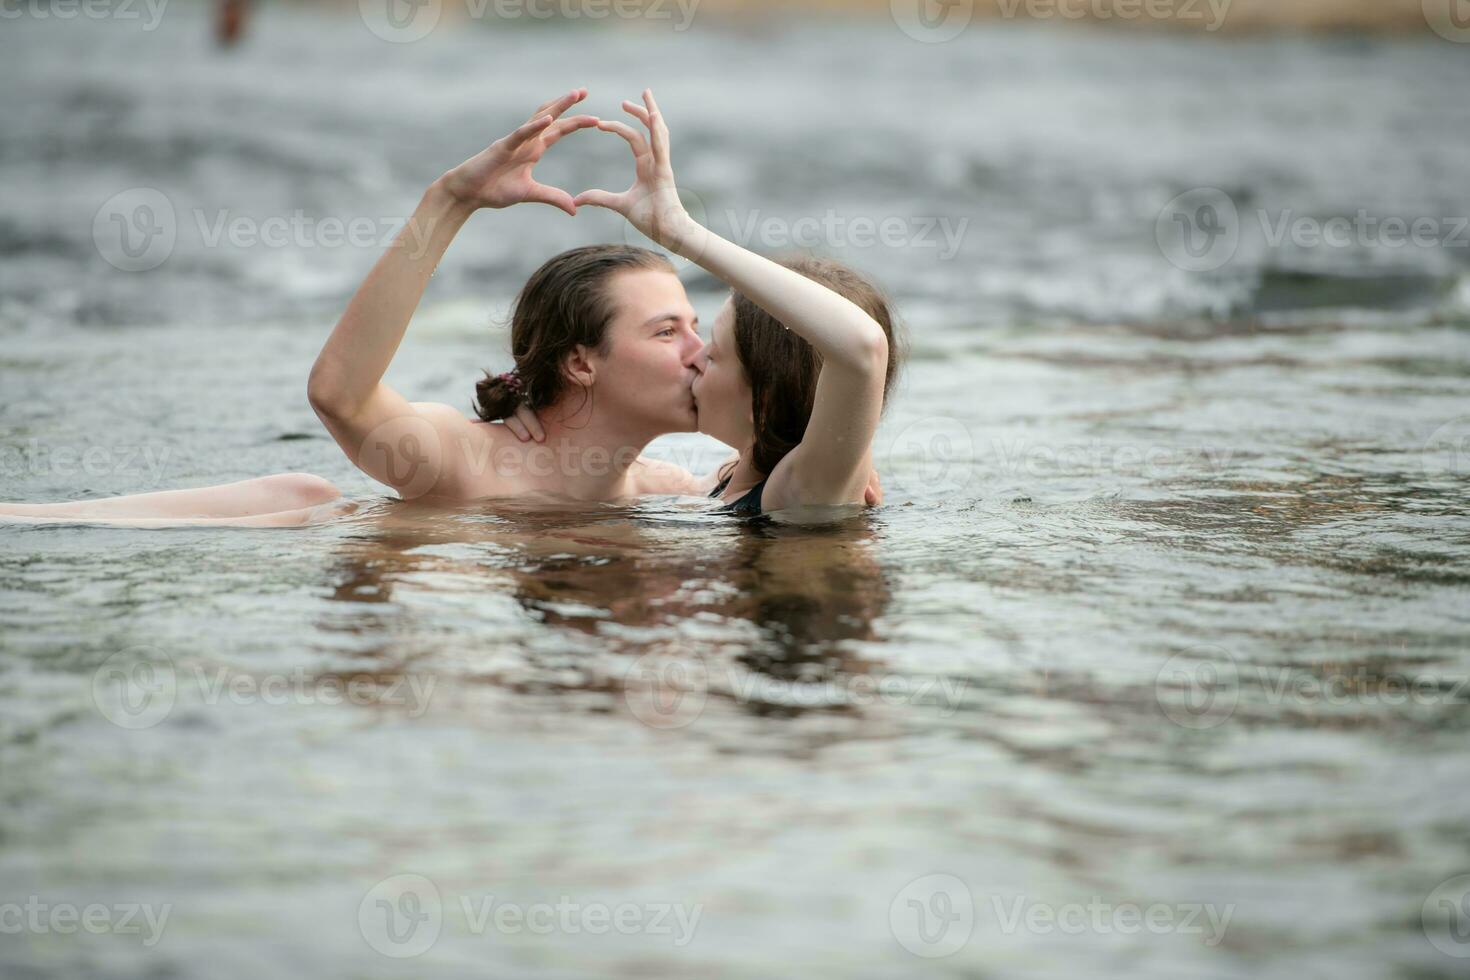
652,204
873,494
500,175
525,424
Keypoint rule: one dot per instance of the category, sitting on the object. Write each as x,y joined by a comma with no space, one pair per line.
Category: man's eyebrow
669,316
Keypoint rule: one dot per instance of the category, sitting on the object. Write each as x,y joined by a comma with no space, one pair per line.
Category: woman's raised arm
392,440
832,464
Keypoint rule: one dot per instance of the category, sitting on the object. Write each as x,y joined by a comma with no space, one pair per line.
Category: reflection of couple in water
607,358
628,602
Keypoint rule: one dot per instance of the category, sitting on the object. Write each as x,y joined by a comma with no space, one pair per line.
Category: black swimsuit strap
747,505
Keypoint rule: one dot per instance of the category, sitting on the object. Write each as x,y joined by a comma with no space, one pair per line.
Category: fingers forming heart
543,125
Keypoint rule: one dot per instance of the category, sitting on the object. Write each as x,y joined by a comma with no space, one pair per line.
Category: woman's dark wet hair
782,368
565,303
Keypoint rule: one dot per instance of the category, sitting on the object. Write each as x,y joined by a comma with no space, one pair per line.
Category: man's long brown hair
563,304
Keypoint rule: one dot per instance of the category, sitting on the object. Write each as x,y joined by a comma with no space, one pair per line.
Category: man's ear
579,368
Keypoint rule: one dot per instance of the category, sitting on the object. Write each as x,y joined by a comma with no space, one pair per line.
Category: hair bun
497,396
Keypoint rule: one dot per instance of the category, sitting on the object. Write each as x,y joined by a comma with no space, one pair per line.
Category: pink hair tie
512,380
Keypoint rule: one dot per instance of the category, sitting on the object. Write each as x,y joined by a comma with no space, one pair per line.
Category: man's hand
500,175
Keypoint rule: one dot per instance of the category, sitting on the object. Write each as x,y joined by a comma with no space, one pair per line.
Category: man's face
653,341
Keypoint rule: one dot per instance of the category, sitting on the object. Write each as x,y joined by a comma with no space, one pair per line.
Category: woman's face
653,342
721,390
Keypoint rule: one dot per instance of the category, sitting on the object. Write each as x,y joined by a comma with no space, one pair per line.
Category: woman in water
798,365
607,352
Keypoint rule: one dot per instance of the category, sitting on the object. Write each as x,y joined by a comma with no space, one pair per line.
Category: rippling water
1165,613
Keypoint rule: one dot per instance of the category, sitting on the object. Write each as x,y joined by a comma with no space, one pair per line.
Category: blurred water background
1164,621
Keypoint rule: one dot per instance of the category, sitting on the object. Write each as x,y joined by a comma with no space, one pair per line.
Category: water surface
1166,609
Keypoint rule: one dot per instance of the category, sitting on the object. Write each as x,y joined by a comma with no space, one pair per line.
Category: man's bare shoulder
655,476
469,450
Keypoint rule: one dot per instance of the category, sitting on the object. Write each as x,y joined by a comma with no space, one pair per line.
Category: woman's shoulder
785,487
